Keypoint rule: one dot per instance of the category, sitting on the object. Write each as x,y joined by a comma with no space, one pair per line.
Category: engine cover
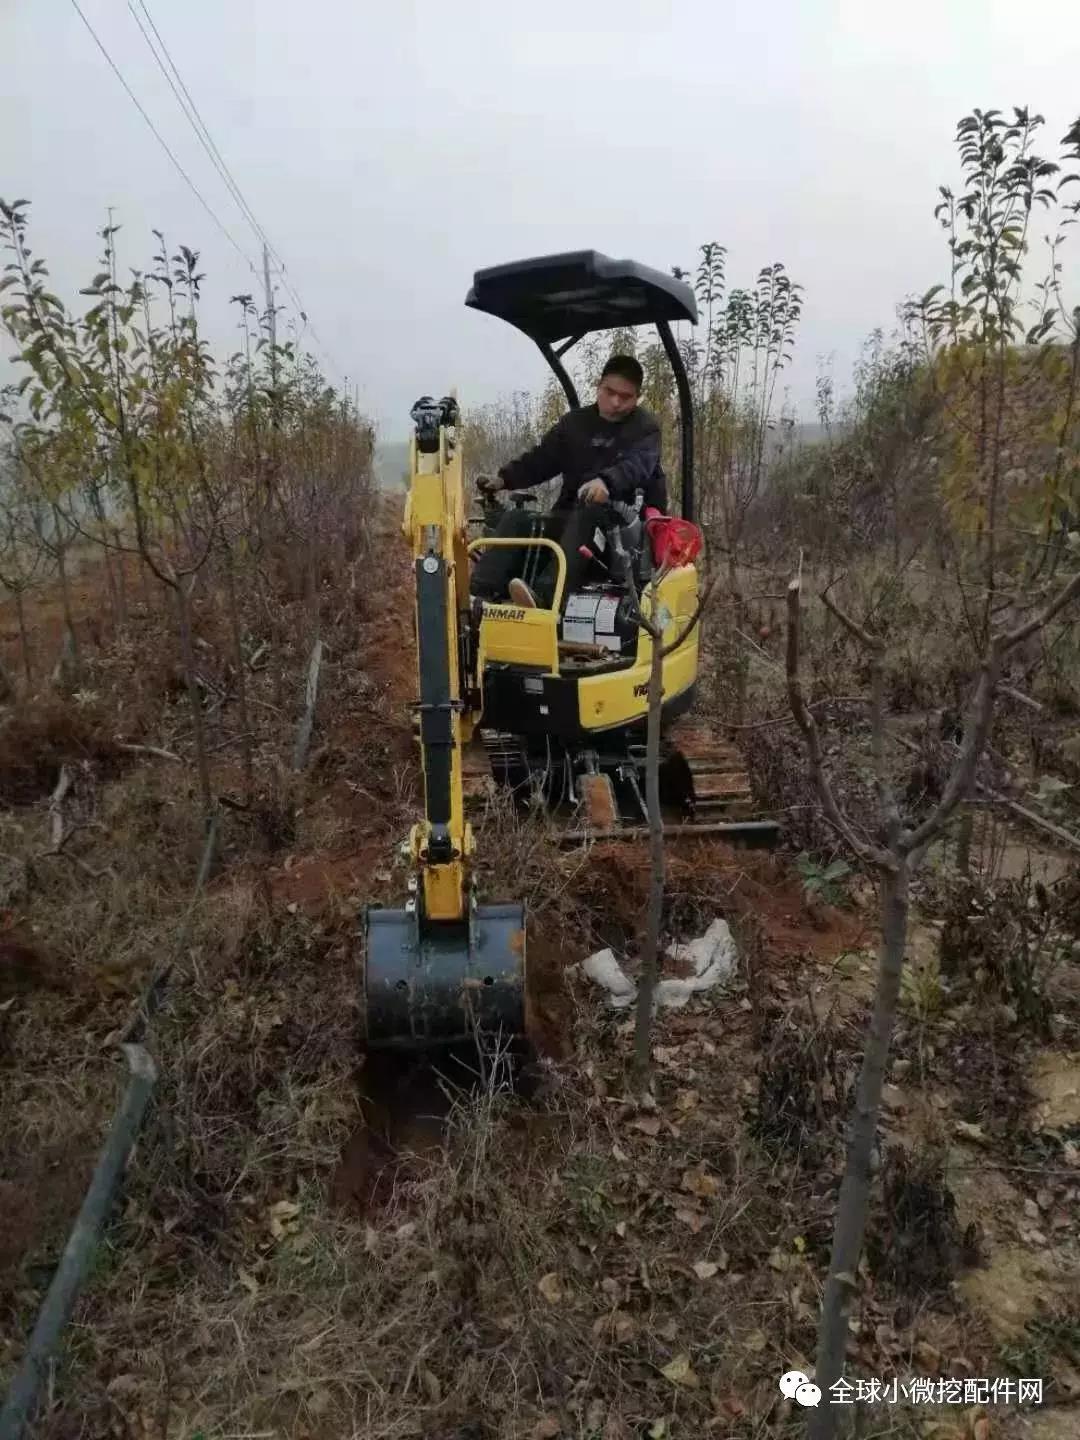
592,617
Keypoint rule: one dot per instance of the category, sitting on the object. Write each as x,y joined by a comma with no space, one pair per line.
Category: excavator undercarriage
704,787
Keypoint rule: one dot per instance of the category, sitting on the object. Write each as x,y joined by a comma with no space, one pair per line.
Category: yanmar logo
503,612
640,690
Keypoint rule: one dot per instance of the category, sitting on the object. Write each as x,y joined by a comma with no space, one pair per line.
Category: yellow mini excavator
551,702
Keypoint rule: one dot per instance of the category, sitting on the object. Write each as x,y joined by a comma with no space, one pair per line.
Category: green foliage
1004,354
823,882
129,424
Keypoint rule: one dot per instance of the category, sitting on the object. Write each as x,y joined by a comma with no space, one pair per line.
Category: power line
193,116
179,168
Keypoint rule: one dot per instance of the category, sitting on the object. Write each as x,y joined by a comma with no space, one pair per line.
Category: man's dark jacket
582,446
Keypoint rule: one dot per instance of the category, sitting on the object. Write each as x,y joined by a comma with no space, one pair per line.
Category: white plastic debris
606,971
712,958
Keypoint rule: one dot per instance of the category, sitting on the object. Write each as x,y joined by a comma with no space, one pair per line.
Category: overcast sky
391,147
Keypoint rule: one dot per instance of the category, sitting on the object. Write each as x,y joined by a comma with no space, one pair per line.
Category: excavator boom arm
435,527
444,968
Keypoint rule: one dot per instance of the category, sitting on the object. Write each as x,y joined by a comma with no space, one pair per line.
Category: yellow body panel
514,634
520,637
434,524
621,696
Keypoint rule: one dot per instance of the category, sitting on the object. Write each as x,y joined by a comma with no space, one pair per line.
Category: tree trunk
144,582
312,587
24,639
738,622
187,651
69,619
963,842
241,671
650,949
121,583
842,1284
114,596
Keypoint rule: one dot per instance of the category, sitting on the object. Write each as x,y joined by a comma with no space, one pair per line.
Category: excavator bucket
427,986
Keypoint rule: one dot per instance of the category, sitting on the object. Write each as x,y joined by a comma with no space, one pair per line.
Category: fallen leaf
698,1183
280,1213
431,1384
546,1429
691,1218
658,1430
550,1287
620,1229
755,1341
705,1269
250,1284
970,1132
678,1371
686,1099
619,1155
647,1124
319,1401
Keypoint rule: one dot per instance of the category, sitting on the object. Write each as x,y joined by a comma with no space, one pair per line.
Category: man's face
615,397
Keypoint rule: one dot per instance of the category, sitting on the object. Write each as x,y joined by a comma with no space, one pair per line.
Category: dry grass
563,1262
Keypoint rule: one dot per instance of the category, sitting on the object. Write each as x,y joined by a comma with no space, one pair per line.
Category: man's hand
490,484
594,492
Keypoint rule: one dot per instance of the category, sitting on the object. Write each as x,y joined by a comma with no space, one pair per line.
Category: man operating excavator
605,452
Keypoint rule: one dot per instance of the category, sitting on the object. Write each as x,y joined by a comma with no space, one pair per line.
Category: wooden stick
775,664
1030,816
303,735
150,750
82,1242
996,798
1023,699
56,808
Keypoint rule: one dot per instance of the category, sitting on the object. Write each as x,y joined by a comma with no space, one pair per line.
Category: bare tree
987,229
894,860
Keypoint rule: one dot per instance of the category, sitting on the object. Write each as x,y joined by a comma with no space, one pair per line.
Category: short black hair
627,368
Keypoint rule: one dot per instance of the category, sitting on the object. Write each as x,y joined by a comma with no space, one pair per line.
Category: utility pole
271,312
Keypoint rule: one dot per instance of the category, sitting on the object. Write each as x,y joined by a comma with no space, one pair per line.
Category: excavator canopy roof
553,297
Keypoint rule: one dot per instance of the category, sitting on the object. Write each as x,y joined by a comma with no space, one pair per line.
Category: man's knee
494,566
516,523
